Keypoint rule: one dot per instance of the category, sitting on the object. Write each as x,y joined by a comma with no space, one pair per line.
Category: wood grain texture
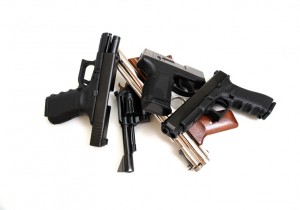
204,126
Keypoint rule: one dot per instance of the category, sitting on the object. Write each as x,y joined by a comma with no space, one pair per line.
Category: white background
45,166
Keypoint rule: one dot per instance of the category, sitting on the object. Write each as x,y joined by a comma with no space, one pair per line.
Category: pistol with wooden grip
219,90
188,148
204,126
189,143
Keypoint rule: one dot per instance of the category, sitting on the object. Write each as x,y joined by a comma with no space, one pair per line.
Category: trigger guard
84,64
183,88
213,115
216,115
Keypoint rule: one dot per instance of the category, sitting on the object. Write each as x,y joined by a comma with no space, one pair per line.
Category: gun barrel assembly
176,95
130,114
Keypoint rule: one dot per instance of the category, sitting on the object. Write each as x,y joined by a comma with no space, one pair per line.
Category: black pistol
217,91
130,114
163,75
91,97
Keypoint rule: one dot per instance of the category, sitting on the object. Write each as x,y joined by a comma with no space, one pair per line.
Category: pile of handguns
178,96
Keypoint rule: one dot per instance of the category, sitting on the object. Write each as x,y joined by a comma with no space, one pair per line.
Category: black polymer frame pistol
91,97
219,90
163,76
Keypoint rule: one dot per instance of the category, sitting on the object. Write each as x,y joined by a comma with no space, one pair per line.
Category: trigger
185,85
215,113
183,88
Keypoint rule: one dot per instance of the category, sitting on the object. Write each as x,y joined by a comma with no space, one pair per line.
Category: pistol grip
250,102
63,106
204,126
156,95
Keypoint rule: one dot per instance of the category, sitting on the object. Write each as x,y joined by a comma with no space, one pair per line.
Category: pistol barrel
126,164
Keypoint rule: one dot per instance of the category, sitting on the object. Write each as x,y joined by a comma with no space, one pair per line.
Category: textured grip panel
99,131
62,107
96,133
247,108
156,95
250,102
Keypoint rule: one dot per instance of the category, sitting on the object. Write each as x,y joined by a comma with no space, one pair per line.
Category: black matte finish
217,91
91,97
130,114
163,76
